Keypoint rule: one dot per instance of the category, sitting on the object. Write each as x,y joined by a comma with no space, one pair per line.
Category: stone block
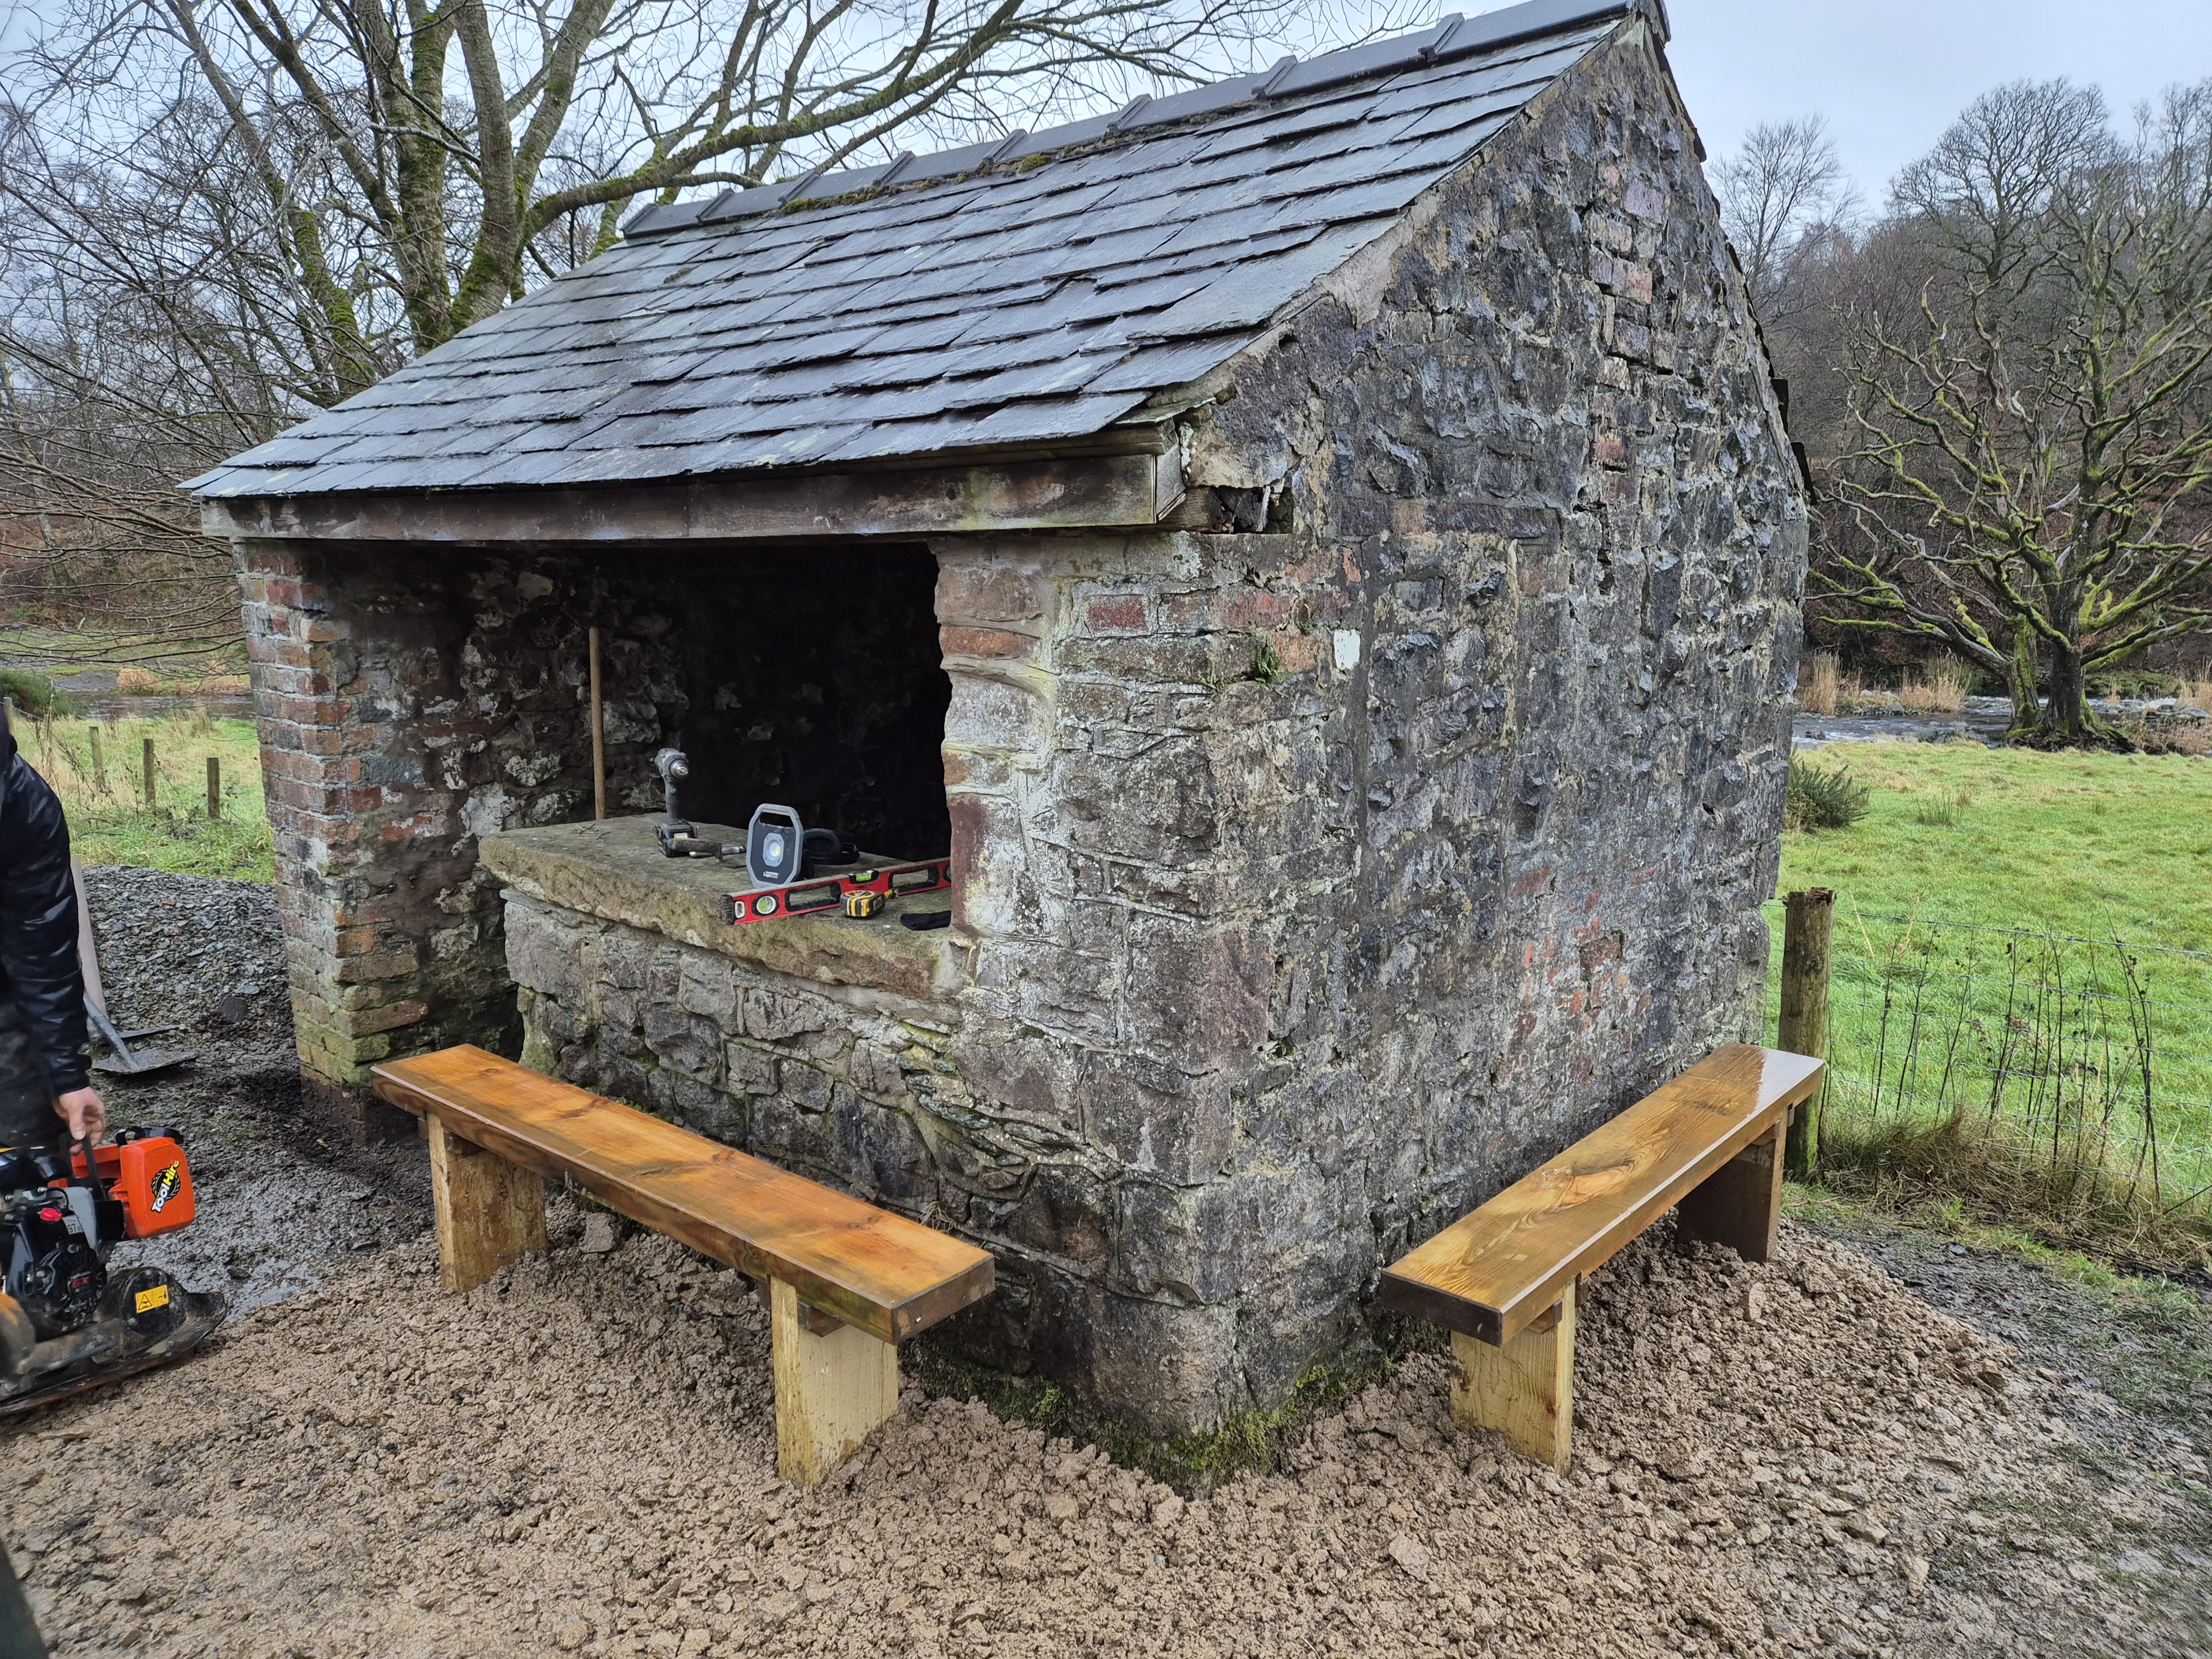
1174,1366
1066,1213
996,716
977,591
1020,1075
894,1160
1155,1118
706,988
684,1042
1178,1243
804,1087
1197,995
543,951
747,1070
773,1016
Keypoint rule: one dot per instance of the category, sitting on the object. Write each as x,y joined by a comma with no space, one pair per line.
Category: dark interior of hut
815,682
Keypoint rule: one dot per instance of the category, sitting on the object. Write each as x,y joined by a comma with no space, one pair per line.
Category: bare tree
1783,194
2029,482
444,144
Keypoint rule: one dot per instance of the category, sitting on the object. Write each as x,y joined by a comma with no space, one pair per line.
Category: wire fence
2057,1078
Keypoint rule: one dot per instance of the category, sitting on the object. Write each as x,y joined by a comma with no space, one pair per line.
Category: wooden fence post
599,737
1807,930
98,759
215,787
149,769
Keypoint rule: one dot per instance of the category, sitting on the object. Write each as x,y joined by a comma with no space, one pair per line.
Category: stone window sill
614,870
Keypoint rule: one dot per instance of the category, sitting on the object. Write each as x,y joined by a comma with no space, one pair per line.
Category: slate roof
1012,293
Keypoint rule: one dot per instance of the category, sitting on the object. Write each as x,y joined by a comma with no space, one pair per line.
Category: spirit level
827,895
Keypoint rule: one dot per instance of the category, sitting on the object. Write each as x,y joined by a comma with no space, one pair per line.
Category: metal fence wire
2080,1067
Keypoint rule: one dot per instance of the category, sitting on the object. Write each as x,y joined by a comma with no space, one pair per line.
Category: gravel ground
578,1456
284,1200
2125,1498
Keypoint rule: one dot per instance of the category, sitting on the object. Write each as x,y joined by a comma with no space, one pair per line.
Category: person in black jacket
45,1083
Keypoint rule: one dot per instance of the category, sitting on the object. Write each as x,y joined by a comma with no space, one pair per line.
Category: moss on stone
1249,1443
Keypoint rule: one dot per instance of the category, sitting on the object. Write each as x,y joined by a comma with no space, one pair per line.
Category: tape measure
862,905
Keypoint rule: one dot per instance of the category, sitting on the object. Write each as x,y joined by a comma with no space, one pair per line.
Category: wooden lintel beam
1099,491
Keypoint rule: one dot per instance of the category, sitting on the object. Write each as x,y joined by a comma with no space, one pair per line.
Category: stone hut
1321,553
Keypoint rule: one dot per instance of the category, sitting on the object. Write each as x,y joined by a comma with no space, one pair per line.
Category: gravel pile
203,954
578,1458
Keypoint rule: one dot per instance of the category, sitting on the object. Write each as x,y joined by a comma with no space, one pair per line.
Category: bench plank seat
1494,1271
882,1273
1503,1279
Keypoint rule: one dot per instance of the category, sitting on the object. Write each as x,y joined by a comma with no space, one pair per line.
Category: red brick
1117,613
983,642
390,1019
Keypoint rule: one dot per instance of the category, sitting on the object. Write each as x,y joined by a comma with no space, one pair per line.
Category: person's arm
38,931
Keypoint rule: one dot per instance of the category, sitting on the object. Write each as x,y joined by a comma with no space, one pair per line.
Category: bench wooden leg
1525,1390
489,1212
831,1392
1740,1204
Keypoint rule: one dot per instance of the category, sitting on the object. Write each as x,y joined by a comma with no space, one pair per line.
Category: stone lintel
1068,492
615,870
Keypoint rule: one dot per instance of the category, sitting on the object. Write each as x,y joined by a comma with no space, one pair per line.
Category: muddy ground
1876,1446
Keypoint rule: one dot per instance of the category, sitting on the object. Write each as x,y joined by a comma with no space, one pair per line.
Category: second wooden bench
1502,1278
848,1281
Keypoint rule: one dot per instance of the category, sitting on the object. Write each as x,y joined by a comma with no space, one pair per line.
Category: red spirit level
827,895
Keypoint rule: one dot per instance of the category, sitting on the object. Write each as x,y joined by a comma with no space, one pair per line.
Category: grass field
102,788
2091,845
2024,940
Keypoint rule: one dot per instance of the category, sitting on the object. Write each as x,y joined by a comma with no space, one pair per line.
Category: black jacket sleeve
38,923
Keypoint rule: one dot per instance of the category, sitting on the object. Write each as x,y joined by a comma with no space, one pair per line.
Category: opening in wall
815,681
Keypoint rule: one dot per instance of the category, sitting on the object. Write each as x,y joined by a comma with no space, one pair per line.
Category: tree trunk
2066,720
2021,681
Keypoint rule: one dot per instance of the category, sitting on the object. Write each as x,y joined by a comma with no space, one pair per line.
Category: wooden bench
848,1282
1502,1279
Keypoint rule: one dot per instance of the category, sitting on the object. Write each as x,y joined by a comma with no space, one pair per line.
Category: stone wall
1320,882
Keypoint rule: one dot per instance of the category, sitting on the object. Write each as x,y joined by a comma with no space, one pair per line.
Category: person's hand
86,1112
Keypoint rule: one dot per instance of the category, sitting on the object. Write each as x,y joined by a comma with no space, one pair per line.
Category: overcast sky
1889,74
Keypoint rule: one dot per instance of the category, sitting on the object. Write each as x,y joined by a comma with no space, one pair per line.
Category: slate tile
347,475
225,481
938,326
1250,293
1153,367
952,430
1043,419
1200,100
1058,137
521,469
439,470
1031,380
770,449
1366,201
